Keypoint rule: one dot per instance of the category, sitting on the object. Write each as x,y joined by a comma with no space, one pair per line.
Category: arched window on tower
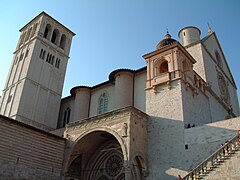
218,57
66,117
52,60
103,103
162,68
55,36
57,63
63,41
47,31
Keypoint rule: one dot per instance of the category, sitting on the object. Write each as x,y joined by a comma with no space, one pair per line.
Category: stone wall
196,52
29,153
139,91
204,140
166,153
196,109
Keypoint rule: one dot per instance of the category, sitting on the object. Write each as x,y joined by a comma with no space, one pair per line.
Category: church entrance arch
97,155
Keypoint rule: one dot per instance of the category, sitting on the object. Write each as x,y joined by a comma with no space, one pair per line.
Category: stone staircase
217,160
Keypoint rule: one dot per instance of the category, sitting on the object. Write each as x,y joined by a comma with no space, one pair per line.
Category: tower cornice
175,44
45,14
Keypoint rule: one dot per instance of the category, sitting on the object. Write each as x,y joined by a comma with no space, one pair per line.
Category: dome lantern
165,42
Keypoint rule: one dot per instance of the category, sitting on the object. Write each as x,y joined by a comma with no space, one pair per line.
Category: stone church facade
156,122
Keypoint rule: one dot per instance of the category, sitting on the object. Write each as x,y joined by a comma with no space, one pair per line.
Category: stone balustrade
215,159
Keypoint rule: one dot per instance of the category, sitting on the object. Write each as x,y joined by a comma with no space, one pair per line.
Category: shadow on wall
174,150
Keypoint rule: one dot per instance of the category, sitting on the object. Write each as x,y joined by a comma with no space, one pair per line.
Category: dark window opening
47,57
41,52
43,57
52,60
66,117
55,36
46,32
163,68
57,63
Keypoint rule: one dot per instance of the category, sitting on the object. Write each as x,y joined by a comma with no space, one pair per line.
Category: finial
167,36
209,29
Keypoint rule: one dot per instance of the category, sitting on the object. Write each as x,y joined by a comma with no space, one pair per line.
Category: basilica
161,121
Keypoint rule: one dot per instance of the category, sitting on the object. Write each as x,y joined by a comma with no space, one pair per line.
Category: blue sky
112,34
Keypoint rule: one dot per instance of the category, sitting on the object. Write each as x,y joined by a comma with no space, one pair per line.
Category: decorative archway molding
118,137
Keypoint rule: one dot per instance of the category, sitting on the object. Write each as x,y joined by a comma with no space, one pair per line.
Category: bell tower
170,78
33,89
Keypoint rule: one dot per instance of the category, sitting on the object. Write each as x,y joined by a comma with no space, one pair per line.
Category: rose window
114,165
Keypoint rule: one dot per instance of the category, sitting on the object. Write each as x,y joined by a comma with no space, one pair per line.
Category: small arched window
162,68
41,53
103,103
66,117
55,36
47,31
49,59
63,41
52,60
218,57
57,63
43,56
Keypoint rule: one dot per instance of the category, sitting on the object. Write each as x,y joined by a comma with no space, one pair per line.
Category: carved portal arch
107,130
97,154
